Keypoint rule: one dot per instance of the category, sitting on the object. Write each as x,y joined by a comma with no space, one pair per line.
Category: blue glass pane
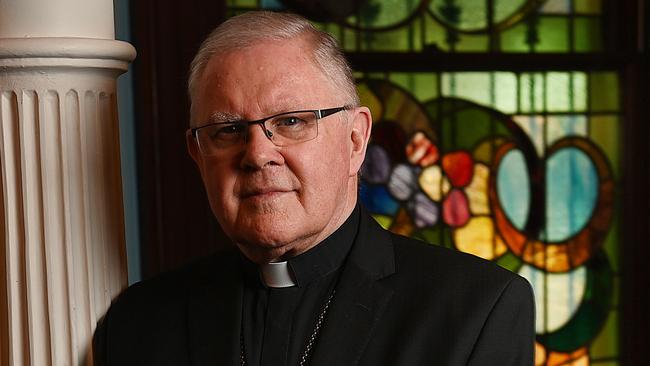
272,5
571,192
377,199
513,188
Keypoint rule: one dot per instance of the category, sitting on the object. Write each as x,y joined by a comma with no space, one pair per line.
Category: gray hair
254,27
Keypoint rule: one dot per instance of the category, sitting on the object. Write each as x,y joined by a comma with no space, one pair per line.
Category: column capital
65,52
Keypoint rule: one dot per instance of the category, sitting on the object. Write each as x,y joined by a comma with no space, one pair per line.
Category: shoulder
147,322
450,271
177,282
165,296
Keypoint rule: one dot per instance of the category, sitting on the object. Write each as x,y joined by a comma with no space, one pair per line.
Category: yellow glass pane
383,220
370,100
484,152
432,182
588,6
604,91
477,191
478,237
604,131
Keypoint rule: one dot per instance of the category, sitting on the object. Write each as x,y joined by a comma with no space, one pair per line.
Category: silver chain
310,343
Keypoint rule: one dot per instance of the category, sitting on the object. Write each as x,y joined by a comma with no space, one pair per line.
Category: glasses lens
215,137
293,127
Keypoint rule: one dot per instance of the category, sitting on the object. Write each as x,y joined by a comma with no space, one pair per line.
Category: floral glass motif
517,168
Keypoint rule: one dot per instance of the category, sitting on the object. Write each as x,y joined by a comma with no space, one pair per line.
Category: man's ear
193,148
360,135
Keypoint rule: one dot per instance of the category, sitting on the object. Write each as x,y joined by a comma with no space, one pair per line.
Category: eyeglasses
282,129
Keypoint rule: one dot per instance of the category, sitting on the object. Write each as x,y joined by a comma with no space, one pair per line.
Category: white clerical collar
277,275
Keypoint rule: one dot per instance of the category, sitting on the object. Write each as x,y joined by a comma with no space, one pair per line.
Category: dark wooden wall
177,224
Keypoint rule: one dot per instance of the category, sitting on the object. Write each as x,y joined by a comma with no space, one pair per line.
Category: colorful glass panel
531,189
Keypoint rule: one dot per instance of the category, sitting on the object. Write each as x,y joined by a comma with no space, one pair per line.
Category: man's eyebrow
223,117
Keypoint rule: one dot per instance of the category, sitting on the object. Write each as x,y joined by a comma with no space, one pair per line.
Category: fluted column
62,256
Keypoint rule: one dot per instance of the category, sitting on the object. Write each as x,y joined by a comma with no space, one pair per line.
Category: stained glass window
520,168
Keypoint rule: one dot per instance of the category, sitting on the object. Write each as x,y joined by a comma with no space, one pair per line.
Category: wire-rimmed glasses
282,129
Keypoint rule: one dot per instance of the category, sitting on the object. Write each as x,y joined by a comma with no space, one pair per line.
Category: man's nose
259,150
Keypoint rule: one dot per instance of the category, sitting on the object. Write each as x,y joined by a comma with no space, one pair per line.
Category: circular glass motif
471,16
571,193
383,14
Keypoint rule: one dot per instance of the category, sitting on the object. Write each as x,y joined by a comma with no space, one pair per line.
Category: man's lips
260,192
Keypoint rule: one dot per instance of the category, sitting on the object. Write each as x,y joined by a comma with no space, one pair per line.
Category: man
279,137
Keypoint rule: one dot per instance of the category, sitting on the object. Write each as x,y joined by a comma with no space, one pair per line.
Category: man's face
278,201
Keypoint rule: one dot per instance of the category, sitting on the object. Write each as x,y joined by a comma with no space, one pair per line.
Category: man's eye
232,129
289,121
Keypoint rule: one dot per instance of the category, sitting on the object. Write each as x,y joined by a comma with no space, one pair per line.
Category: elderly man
279,137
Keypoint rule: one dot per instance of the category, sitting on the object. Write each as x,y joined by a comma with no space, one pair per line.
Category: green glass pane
579,96
531,92
555,7
472,43
244,3
588,34
424,86
604,131
553,34
514,39
565,92
395,41
587,6
558,93
474,86
434,34
438,235
510,262
611,244
348,39
505,92
606,343
616,291
603,91
383,13
561,126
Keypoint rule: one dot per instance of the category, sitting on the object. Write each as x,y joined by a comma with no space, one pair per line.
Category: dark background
177,224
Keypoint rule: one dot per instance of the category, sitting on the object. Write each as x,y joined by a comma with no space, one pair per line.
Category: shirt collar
319,261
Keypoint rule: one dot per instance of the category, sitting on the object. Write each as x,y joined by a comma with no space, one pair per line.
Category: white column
62,255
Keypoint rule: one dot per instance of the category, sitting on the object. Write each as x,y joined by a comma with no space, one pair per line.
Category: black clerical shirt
277,322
